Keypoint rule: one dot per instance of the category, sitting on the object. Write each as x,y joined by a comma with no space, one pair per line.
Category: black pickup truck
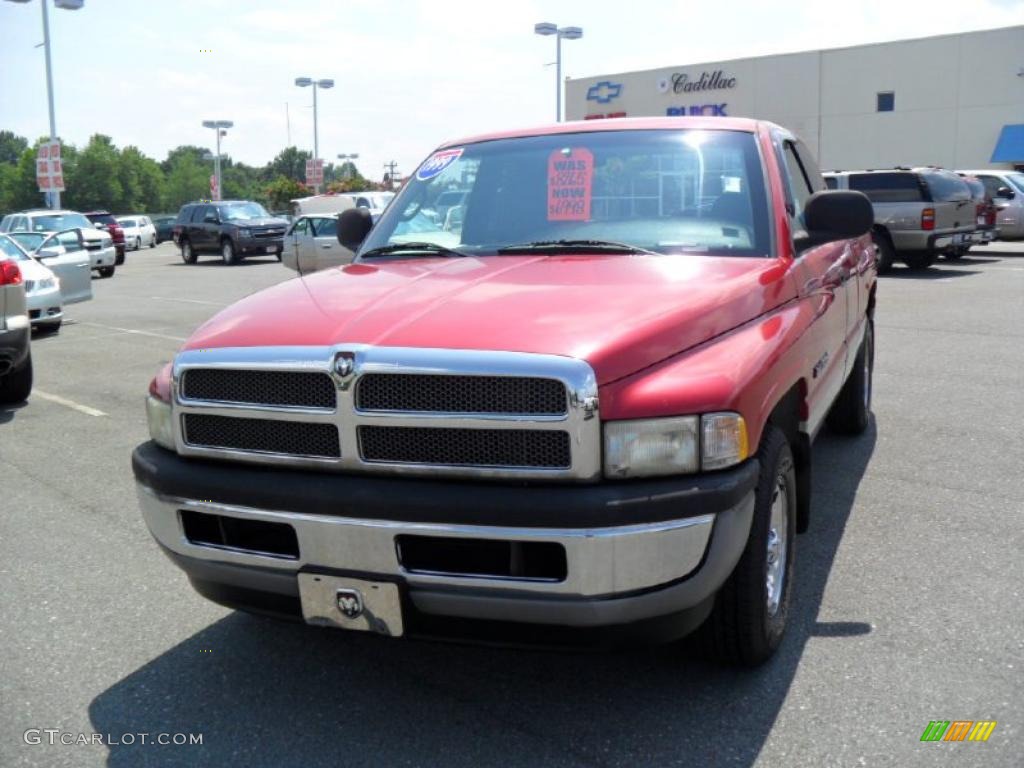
231,228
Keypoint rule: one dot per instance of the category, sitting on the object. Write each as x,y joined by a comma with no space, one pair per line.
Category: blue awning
1010,147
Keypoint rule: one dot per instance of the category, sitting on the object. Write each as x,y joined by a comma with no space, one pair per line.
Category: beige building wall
953,95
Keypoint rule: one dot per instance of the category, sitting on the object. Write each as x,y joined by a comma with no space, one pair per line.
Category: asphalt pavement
907,605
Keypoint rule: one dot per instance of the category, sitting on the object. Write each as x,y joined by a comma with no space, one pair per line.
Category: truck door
825,283
65,255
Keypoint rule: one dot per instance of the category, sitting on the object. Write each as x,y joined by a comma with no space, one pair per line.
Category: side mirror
835,215
1005,193
354,225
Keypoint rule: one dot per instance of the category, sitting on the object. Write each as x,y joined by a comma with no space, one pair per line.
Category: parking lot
907,607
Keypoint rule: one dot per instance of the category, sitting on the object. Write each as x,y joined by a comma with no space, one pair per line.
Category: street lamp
560,33
53,197
220,127
303,82
352,156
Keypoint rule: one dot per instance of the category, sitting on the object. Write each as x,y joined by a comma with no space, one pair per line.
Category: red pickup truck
582,408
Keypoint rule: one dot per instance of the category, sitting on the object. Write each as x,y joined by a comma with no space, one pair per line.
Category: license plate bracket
348,603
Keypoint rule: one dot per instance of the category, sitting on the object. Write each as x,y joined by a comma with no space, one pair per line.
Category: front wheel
227,252
152,242
749,618
138,244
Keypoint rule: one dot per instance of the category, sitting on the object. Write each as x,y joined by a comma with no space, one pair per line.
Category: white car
138,231
58,274
311,244
99,244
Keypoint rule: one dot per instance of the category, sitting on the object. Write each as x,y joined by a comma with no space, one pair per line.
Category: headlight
245,233
651,447
160,425
674,446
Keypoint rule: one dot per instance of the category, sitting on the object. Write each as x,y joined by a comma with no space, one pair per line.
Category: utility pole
391,173
288,124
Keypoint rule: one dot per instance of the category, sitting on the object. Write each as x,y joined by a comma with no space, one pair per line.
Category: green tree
282,190
11,147
186,179
96,177
290,163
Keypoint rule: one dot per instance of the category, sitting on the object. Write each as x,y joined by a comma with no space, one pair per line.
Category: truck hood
268,222
619,313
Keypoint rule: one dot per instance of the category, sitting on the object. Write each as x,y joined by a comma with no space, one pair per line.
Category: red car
584,409
105,220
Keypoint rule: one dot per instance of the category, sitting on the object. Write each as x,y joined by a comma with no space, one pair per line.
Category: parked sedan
138,230
164,225
311,244
57,274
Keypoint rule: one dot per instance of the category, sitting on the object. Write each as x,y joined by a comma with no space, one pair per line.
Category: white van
329,203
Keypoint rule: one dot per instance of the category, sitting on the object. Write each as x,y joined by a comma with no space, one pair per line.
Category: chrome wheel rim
778,536
226,251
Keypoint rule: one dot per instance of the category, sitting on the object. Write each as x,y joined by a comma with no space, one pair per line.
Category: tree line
99,176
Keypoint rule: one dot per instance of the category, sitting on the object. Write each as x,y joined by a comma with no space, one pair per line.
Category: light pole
218,126
302,82
52,197
352,156
568,33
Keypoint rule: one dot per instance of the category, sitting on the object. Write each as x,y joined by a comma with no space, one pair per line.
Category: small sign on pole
314,171
213,187
49,168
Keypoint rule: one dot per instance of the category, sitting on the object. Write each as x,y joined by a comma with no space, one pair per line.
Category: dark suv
232,228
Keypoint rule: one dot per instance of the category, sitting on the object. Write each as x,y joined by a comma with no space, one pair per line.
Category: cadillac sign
680,82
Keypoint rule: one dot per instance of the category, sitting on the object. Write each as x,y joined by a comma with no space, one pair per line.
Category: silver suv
1006,189
919,212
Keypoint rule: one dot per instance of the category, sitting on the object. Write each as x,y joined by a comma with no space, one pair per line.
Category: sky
408,74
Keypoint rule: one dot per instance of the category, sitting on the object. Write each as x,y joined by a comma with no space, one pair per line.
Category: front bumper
634,551
256,245
45,306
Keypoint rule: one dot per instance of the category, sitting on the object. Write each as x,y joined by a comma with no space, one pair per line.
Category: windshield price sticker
437,162
570,178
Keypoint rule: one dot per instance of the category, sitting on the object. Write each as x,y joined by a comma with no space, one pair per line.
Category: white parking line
132,330
67,403
189,301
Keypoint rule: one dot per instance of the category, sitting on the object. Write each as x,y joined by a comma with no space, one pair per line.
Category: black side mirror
835,215
353,226
1005,193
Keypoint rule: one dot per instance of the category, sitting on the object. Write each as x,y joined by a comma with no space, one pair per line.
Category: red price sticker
570,179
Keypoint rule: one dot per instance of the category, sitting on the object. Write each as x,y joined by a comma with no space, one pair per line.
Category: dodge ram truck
585,411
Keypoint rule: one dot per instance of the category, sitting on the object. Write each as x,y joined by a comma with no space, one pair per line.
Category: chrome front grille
541,448
460,394
385,409
261,435
294,388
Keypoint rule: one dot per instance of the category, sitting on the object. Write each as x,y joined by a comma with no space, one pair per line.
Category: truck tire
919,259
749,617
851,411
886,254
106,271
188,255
17,384
227,251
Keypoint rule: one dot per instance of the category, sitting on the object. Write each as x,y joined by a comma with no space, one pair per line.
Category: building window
886,101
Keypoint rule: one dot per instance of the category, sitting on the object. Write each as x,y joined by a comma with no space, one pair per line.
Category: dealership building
955,101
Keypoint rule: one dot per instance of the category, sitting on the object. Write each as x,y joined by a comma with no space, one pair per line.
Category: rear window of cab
668,191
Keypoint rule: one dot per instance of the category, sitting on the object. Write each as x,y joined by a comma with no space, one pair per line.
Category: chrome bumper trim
601,561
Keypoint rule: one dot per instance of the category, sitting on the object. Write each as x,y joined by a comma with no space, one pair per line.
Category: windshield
11,250
242,212
668,191
1017,179
28,240
59,221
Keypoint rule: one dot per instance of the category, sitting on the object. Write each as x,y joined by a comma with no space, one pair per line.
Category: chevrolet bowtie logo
604,91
